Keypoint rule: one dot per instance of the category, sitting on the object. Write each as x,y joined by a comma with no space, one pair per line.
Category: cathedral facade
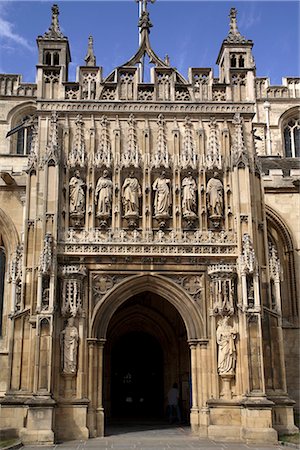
148,235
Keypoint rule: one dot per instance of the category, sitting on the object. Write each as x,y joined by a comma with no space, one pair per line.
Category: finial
90,59
234,35
54,30
167,60
143,4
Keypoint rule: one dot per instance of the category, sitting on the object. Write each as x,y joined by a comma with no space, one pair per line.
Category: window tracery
292,138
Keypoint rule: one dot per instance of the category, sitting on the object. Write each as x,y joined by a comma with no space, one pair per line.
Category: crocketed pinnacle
54,30
234,36
90,59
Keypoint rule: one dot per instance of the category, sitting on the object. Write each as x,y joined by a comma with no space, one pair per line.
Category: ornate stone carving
77,198
161,154
131,193
222,288
54,29
53,148
46,257
130,156
248,261
103,197
103,155
213,157
77,153
234,36
239,155
33,155
162,198
215,202
188,153
226,336
274,263
189,197
71,289
89,80
126,85
69,346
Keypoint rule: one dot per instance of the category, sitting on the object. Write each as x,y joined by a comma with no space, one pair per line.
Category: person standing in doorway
173,407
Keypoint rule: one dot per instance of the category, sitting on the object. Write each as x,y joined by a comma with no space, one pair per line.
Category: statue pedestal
132,219
215,220
76,218
226,385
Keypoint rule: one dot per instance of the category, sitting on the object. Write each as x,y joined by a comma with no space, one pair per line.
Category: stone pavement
152,437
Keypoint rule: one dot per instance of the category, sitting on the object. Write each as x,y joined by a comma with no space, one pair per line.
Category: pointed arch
281,236
156,284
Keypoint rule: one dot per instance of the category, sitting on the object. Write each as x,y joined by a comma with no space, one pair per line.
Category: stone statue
103,196
162,199
227,352
215,197
69,346
77,196
189,189
131,192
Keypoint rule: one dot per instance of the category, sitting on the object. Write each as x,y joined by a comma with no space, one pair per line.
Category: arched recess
156,284
281,236
9,240
20,136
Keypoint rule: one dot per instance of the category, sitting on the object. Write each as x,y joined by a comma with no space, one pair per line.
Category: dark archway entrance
137,377
146,351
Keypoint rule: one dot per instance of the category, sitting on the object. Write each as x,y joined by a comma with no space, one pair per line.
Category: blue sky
190,32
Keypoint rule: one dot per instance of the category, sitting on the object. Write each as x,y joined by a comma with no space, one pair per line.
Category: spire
90,59
144,25
234,36
54,30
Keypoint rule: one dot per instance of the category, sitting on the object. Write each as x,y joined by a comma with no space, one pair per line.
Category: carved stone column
100,409
194,416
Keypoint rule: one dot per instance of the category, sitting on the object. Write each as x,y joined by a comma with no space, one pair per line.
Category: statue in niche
103,196
77,196
45,299
69,346
226,336
131,192
162,200
214,191
189,189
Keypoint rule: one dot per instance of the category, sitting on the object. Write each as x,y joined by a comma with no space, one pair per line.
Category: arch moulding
9,233
156,284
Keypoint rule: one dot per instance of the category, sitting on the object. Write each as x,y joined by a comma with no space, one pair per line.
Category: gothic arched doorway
136,377
146,351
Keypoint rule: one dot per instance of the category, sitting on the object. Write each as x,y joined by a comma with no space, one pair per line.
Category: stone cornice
146,107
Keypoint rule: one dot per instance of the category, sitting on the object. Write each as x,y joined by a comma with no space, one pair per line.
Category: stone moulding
148,249
103,107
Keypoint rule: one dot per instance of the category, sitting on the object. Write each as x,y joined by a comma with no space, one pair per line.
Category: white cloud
7,32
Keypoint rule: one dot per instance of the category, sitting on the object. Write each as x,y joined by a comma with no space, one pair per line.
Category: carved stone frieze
118,107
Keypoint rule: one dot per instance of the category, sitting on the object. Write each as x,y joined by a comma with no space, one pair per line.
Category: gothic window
241,61
233,61
56,59
292,139
2,277
47,58
24,138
